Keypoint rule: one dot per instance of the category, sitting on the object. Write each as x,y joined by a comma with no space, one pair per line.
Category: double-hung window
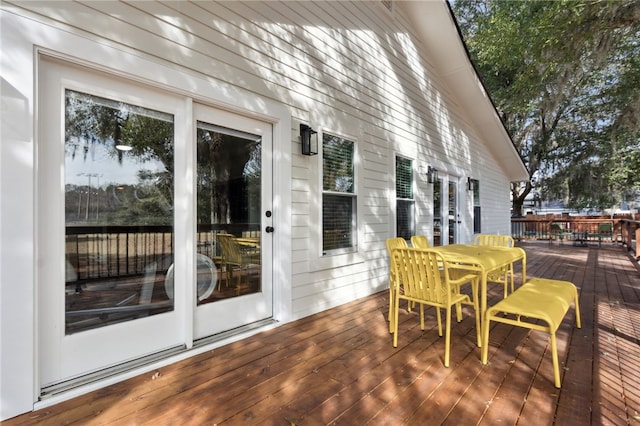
404,198
339,216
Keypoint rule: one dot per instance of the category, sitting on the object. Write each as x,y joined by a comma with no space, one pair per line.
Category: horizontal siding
347,67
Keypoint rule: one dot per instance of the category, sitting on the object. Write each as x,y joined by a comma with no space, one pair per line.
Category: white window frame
398,199
353,195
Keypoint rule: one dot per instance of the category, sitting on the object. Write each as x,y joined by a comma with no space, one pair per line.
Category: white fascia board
439,34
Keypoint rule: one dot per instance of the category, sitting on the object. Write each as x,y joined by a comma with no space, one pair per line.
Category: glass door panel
437,212
118,211
453,212
228,209
234,220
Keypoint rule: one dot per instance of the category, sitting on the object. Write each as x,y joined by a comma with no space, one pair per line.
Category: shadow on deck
339,366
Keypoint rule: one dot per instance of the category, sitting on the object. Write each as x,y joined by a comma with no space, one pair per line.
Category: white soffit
434,23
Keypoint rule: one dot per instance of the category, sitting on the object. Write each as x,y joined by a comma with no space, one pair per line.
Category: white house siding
350,68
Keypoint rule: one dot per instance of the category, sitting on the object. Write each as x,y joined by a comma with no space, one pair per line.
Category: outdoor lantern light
470,184
432,175
309,138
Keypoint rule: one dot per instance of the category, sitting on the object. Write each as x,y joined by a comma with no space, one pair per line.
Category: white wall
351,68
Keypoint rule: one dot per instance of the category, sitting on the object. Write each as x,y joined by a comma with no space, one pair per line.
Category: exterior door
146,242
106,237
446,214
234,226
437,213
453,213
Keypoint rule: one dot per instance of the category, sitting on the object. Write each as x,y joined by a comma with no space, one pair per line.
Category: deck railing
630,233
578,230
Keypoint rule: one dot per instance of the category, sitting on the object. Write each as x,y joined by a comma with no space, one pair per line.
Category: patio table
484,260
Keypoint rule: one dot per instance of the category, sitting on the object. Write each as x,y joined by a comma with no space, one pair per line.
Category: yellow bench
538,299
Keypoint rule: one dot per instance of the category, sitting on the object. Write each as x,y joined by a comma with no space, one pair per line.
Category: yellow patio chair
392,244
425,277
458,277
503,276
420,241
234,257
605,232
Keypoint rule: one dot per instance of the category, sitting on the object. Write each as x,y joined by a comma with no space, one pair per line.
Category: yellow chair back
420,241
493,240
394,243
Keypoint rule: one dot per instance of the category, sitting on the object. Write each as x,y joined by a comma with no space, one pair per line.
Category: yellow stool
538,299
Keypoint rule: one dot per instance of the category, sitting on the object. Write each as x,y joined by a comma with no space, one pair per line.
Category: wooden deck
339,366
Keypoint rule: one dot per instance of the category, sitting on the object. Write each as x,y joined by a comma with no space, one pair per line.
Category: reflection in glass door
234,220
118,211
229,203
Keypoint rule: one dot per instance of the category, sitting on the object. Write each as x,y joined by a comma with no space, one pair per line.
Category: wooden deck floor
339,366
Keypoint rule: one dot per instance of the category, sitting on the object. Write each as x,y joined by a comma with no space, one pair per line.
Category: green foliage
565,77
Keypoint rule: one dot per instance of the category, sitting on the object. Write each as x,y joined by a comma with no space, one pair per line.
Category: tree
565,78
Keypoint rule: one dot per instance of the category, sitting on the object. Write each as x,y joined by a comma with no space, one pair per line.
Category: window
476,206
404,198
338,196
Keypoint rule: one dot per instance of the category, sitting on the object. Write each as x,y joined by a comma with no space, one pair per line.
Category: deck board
340,367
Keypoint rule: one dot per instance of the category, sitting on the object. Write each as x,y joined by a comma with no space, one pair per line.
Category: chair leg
576,306
476,310
554,357
512,278
485,337
447,337
395,321
439,322
390,303
392,307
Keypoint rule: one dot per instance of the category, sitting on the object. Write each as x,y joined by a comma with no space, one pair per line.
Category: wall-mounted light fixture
470,184
309,139
432,174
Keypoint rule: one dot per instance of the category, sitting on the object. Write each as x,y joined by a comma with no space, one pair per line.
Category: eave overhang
439,33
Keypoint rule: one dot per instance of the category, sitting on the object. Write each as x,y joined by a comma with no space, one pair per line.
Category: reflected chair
503,276
605,232
425,277
557,231
420,241
234,256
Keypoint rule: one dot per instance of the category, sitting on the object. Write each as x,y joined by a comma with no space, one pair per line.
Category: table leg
483,299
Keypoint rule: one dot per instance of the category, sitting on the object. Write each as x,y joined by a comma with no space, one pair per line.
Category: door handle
269,229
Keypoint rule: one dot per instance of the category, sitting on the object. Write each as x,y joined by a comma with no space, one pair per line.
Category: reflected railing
120,273
96,252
